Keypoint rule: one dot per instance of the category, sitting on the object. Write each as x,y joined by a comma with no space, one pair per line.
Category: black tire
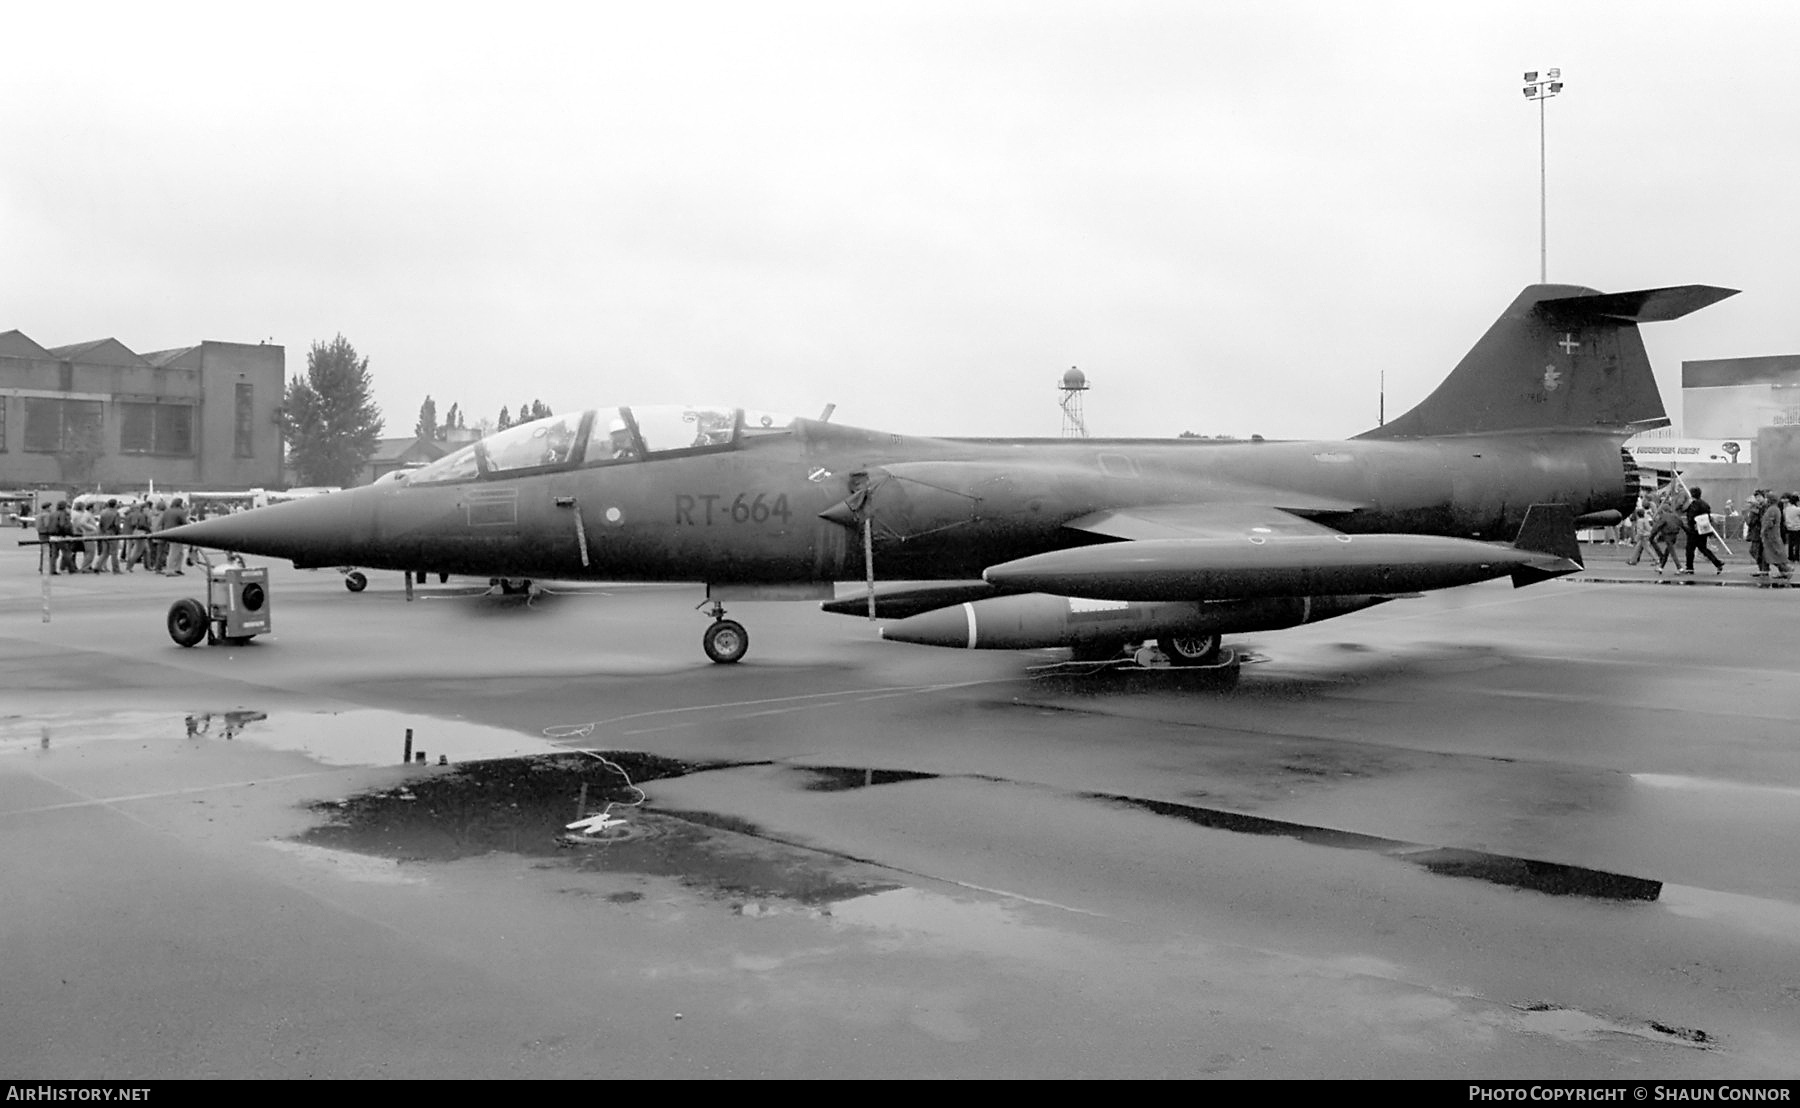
187,622
1190,650
725,641
355,581
443,578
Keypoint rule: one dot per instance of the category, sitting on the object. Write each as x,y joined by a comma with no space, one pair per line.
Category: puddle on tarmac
1571,1025
366,736
971,925
524,805
67,729
1774,918
1552,878
351,867
1101,681
358,737
835,779
1739,792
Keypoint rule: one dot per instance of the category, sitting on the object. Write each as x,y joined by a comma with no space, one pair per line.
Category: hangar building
1740,427
97,415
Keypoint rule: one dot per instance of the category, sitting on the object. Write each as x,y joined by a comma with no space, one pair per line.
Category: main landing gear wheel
355,581
187,622
1191,650
725,641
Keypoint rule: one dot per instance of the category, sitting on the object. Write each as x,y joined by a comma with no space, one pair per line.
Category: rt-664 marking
717,508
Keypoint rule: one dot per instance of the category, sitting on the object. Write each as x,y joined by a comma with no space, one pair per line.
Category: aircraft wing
1235,551
1234,520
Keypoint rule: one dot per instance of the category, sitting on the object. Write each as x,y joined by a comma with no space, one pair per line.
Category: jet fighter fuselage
1535,414
773,509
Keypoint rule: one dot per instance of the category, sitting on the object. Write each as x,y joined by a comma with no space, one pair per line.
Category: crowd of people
114,537
1768,522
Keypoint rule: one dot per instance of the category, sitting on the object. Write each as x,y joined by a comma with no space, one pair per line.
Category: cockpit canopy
603,436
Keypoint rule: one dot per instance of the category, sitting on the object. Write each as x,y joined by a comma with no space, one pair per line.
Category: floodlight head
1530,77
1555,73
1555,87
1528,91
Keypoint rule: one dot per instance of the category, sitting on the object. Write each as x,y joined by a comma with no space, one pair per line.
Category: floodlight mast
1542,90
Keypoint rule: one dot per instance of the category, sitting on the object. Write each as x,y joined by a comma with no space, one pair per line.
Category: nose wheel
725,640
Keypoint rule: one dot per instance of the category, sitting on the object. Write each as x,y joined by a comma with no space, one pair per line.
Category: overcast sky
1233,216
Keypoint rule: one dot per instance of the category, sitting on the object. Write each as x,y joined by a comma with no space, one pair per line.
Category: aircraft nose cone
315,531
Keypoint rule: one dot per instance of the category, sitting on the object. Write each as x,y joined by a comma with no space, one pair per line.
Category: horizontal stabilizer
1642,306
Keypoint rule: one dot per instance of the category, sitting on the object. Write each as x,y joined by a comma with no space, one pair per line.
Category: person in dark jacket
1774,546
173,516
1666,527
48,554
112,525
63,526
1700,531
137,522
1753,510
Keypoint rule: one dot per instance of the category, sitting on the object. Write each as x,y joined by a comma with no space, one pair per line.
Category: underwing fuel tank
1033,620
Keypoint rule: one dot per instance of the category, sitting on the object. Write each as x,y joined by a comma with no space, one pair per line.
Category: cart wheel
725,641
187,622
355,581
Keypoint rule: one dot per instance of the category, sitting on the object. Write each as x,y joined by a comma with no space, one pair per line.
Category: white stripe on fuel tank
969,614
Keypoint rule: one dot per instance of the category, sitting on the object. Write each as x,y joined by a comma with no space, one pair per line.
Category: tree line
428,427
333,426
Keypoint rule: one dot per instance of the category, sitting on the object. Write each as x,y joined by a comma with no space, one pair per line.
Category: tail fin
1561,356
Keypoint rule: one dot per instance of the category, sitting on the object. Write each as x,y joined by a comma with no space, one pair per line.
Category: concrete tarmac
1485,833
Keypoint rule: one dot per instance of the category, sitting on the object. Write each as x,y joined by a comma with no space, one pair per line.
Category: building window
246,445
62,426
156,429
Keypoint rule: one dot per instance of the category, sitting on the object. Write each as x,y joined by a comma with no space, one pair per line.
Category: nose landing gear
725,640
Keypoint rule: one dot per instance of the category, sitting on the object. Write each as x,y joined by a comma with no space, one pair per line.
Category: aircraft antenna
1074,424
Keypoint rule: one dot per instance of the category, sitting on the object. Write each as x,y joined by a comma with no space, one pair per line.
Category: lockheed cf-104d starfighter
1093,544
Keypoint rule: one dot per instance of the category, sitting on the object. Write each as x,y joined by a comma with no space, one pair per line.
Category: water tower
1074,383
